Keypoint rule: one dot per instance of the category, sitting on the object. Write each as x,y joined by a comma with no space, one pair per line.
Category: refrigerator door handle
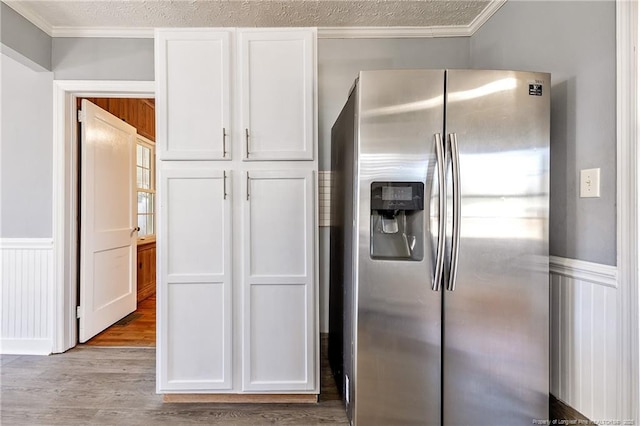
442,216
455,239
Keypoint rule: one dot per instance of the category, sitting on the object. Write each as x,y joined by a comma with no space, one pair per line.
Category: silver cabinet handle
224,183
224,142
442,214
246,138
248,183
455,239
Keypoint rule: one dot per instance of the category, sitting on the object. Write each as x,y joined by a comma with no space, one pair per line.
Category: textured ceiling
258,13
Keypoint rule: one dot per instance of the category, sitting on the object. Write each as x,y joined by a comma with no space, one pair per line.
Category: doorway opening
66,163
123,327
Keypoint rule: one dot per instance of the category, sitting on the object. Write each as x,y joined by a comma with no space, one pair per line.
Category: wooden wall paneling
146,270
140,113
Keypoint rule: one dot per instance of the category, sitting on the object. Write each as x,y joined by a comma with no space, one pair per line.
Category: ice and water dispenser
397,220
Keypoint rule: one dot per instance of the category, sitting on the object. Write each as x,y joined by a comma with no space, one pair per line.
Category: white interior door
107,221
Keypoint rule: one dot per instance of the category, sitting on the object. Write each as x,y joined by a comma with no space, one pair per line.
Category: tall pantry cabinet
237,234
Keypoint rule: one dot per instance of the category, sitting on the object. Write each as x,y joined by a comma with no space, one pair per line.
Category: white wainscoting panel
584,339
26,296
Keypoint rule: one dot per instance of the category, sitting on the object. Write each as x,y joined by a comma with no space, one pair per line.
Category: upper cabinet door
277,93
193,94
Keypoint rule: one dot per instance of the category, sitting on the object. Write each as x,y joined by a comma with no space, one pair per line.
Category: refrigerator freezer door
496,322
398,330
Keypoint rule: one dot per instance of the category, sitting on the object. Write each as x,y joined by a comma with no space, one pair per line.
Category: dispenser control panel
397,196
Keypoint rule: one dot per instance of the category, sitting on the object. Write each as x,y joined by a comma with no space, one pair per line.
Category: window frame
149,144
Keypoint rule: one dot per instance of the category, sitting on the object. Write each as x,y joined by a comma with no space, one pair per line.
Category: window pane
143,203
146,153
151,204
146,174
139,177
139,155
142,223
150,227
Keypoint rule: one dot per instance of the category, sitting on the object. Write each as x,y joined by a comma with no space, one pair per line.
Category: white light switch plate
589,183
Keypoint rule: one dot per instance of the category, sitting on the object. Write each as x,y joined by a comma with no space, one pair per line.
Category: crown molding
30,15
103,32
392,32
323,32
486,14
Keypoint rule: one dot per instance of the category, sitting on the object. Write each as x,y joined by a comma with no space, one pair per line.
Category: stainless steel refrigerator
439,297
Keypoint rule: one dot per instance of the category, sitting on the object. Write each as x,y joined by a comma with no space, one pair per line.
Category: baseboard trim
561,411
580,270
239,398
26,346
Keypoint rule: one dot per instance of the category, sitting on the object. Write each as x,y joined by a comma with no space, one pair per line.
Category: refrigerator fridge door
496,319
398,325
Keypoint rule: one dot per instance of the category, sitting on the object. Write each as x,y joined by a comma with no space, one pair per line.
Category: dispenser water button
389,225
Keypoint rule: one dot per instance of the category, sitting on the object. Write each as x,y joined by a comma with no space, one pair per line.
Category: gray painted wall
21,36
340,60
575,42
26,147
103,59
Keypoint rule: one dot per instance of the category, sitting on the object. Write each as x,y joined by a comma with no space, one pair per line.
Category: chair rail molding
584,271
627,208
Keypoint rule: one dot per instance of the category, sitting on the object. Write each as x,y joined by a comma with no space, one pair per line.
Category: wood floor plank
91,385
116,386
141,331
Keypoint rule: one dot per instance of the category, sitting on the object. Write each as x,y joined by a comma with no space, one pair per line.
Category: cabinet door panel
194,297
278,227
278,284
193,101
195,331
277,94
279,334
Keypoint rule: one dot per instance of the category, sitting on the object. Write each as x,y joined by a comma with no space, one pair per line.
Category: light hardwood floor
140,331
116,386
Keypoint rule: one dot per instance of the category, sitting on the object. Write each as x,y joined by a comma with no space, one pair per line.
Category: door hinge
77,311
80,116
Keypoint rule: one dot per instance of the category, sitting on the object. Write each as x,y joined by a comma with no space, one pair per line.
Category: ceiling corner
27,13
486,14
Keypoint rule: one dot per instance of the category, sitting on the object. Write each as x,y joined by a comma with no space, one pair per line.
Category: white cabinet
274,97
194,294
278,281
237,222
193,97
276,94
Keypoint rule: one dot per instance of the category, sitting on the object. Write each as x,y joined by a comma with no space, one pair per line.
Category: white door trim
628,231
65,167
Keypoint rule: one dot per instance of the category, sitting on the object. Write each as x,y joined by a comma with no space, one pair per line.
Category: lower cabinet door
194,296
278,286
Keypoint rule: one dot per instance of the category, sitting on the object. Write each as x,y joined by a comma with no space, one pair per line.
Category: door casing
65,196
